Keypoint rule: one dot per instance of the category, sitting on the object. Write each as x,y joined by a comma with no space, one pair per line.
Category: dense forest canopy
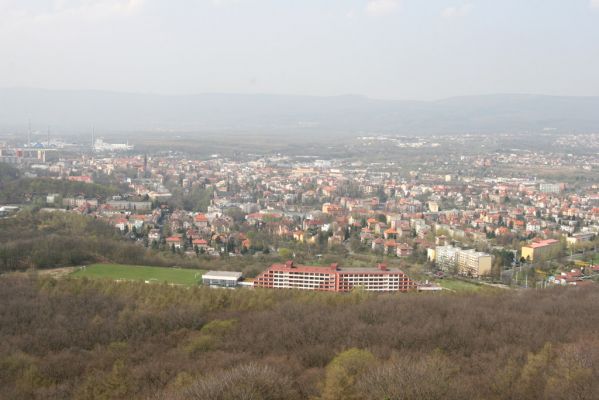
83,339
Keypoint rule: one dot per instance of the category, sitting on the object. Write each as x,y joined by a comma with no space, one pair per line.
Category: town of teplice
257,200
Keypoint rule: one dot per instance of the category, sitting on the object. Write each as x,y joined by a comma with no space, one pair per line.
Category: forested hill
83,339
44,240
286,114
36,239
15,188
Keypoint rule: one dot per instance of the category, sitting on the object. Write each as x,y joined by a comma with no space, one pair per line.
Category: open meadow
178,276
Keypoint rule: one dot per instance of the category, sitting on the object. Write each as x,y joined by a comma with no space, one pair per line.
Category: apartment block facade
333,278
541,250
464,262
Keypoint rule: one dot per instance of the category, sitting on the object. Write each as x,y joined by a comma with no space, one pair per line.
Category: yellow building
473,263
543,250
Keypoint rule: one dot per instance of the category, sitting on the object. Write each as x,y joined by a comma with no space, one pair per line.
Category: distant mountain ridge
114,111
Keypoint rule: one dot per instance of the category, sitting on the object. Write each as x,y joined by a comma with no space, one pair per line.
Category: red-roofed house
200,243
200,220
174,241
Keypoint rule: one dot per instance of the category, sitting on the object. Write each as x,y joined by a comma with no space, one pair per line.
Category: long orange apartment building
332,278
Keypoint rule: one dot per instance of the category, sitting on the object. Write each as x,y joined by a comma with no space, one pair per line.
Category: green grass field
178,276
459,285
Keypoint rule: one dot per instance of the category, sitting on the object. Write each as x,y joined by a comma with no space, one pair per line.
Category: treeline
38,239
34,239
83,339
15,188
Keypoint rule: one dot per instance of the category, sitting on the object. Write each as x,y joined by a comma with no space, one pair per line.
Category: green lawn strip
178,276
459,285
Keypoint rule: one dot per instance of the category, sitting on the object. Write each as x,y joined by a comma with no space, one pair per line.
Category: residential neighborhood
464,220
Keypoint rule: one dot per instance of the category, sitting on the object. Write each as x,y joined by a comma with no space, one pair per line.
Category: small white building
226,279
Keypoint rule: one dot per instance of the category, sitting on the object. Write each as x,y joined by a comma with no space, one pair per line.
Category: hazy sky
402,49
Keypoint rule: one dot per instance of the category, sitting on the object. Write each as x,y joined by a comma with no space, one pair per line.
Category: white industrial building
225,279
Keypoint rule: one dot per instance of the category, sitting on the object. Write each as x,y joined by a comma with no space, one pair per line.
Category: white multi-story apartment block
464,262
446,257
551,187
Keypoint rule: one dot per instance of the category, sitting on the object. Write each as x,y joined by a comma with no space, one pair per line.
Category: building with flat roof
474,263
579,238
332,278
541,250
226,279
79,201
445,258
551,187
464,262
129,205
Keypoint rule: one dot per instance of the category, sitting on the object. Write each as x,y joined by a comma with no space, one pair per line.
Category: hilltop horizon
72,110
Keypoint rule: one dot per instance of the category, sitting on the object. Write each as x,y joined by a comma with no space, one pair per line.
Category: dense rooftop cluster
247,204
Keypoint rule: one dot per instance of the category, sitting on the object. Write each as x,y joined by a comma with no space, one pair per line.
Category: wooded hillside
33,239
15,188
82,339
